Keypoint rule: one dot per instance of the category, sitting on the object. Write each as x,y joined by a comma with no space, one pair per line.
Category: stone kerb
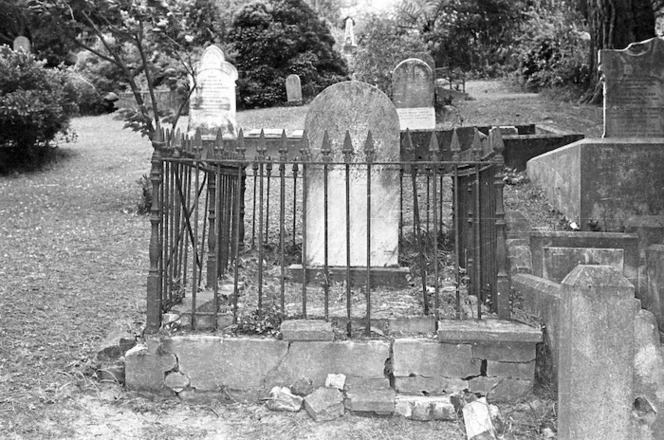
634,89
413,89
293,90
358,108
596,361
212,105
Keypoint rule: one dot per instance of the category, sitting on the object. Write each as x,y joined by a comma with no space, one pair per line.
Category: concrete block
307,330
597,325
420,357
514,370
234,363
324,404
501,389
424,408
648,377
486,330
419,385
146,366
380,402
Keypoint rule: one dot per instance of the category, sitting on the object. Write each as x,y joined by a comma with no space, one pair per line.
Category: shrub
381,46
36,105
276,38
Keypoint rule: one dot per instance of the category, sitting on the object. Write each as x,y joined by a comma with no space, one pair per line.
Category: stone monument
212,105
413,94
293,90
358,108
634,89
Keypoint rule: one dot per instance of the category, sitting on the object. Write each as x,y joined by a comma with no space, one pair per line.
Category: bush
36,105
275,39
381,46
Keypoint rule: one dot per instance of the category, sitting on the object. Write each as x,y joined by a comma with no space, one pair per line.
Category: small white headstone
21,43
212,105
413,94
293,90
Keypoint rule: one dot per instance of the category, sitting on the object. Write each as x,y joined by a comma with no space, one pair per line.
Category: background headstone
413,94
212,105
634,90
359,108
21,43
293,90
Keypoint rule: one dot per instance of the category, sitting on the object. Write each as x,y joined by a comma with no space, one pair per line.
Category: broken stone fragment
302,387
176,381
425,408
337,381
281,399
324,404
477,418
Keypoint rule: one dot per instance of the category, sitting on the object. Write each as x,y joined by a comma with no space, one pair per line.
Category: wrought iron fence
235,230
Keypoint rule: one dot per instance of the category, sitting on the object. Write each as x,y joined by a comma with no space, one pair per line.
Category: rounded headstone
21,43
424,56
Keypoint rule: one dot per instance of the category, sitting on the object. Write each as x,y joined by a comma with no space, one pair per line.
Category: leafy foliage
552,49
381,46
36,105
276,38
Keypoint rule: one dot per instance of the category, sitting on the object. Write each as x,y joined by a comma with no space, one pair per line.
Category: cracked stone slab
146,366
325,404
420,357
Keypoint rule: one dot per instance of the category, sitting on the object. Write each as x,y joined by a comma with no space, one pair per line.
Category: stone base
380,276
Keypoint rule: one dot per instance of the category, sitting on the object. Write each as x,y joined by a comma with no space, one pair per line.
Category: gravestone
293,90
424,56
634,90
21,43
359,108
212,105
413,94
349,34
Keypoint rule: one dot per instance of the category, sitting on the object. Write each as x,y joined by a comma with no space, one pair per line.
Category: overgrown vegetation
276,38
36,105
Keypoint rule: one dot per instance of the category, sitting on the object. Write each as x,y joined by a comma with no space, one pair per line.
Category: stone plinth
595,371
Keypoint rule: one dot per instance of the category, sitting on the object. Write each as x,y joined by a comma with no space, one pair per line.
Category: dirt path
73,264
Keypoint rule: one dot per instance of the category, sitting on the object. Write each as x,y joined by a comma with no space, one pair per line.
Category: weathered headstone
212,105
413,94
349,34
359,108
634,89
424,56
293,90
21,43
595,369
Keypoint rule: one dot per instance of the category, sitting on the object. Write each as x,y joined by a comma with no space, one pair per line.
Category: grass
73,264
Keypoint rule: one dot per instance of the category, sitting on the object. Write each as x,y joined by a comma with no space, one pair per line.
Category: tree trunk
614,24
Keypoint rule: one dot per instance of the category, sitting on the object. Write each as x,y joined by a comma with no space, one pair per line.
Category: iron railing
235,228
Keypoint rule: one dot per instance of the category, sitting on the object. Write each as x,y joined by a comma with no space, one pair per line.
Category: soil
73,265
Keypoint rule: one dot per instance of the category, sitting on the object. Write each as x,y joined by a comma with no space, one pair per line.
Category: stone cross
634,89
293,90
212,105
358,108
413,94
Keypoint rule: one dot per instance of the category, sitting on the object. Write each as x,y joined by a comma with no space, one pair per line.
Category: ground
73,264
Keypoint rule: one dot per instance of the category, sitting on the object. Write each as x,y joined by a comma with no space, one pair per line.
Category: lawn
73,265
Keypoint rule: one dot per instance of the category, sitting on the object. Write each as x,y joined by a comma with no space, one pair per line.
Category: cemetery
375,258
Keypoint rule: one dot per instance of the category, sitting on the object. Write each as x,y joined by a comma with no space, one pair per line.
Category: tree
276,38
614,24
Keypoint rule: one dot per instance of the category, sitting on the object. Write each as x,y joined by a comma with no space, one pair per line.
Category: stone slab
146,366
396,277
324,404
306,330
430,386
559,261
316,359
634,89
357,108
235,363
513,370
380,402
597,325
412,326
501,389
486,330
654,300
505,351
425,408
421,357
